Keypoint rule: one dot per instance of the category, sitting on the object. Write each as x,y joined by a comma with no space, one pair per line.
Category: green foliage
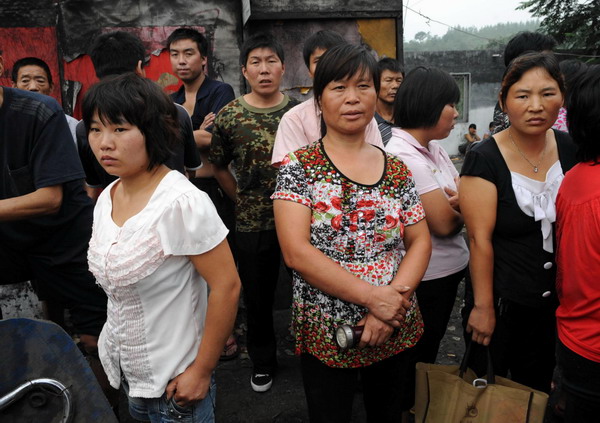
574,23
494,36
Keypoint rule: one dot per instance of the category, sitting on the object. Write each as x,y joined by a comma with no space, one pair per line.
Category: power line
445,24
576,55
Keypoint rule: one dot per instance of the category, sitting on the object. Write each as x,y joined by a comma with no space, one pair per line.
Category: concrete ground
285,402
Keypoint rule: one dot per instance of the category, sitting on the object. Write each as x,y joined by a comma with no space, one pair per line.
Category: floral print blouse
561,121
359,227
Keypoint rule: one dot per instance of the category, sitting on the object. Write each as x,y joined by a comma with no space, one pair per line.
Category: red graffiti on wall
16,43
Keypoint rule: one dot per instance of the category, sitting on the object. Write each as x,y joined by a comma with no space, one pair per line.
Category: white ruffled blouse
156,298
538,198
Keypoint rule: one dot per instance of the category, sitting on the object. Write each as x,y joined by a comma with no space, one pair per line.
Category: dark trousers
436,299
523,344
330,391
258,261
581,385
69,283
224,205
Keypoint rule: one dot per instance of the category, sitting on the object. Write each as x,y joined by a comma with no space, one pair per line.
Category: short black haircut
189,34
472,126
517,68
571,69
324,39
527,41
392,65
30,61
583,109
115,53
260,40
422,97
140,102
343,61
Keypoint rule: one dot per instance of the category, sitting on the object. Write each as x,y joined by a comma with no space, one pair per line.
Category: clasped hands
387,307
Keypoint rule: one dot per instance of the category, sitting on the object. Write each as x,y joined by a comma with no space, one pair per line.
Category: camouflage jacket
245,135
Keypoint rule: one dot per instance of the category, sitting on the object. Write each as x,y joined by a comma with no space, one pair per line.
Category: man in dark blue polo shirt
203,98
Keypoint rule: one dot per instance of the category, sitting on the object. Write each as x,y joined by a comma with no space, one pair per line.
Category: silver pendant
535,169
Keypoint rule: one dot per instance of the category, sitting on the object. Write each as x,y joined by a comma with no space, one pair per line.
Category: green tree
469,38
422,36
574,23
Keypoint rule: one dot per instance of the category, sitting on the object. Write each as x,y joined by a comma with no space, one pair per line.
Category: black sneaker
261,382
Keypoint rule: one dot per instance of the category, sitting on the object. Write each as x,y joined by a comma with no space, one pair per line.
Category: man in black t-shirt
115,53
45,215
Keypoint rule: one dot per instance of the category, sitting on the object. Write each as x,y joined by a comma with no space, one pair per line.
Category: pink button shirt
432,169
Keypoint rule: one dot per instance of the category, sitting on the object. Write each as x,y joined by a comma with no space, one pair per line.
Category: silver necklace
536,167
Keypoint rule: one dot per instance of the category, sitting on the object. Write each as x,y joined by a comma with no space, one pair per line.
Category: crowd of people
190,200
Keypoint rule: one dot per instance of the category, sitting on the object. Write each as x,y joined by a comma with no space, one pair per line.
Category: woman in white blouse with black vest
507,192
157,243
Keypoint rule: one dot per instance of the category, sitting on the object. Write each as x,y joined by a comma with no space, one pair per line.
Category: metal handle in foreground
51,384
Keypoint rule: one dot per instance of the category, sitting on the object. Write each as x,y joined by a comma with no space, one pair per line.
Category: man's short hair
140,102
115,53
527,41
392,65
189,34
583,107
30,61
324,39
571,69
472,126
260,40
422,97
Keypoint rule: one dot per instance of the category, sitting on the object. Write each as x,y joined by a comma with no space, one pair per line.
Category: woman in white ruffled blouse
157,243
507,192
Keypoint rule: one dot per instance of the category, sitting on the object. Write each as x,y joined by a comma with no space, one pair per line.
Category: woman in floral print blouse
342,207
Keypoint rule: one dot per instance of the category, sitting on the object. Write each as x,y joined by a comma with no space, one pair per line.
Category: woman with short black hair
157,245
425,111
342,207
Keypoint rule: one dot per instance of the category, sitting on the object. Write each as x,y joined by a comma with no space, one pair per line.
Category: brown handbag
453,394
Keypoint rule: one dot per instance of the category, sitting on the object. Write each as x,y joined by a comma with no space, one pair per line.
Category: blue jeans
161,410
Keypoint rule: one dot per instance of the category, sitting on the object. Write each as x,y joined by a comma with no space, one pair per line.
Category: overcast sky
465,13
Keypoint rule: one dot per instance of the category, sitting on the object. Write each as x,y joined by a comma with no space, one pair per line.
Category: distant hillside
487,37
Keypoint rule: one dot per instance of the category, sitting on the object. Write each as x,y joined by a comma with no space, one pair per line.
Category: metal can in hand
347,336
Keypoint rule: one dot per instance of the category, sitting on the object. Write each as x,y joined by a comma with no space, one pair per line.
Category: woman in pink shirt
425,109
